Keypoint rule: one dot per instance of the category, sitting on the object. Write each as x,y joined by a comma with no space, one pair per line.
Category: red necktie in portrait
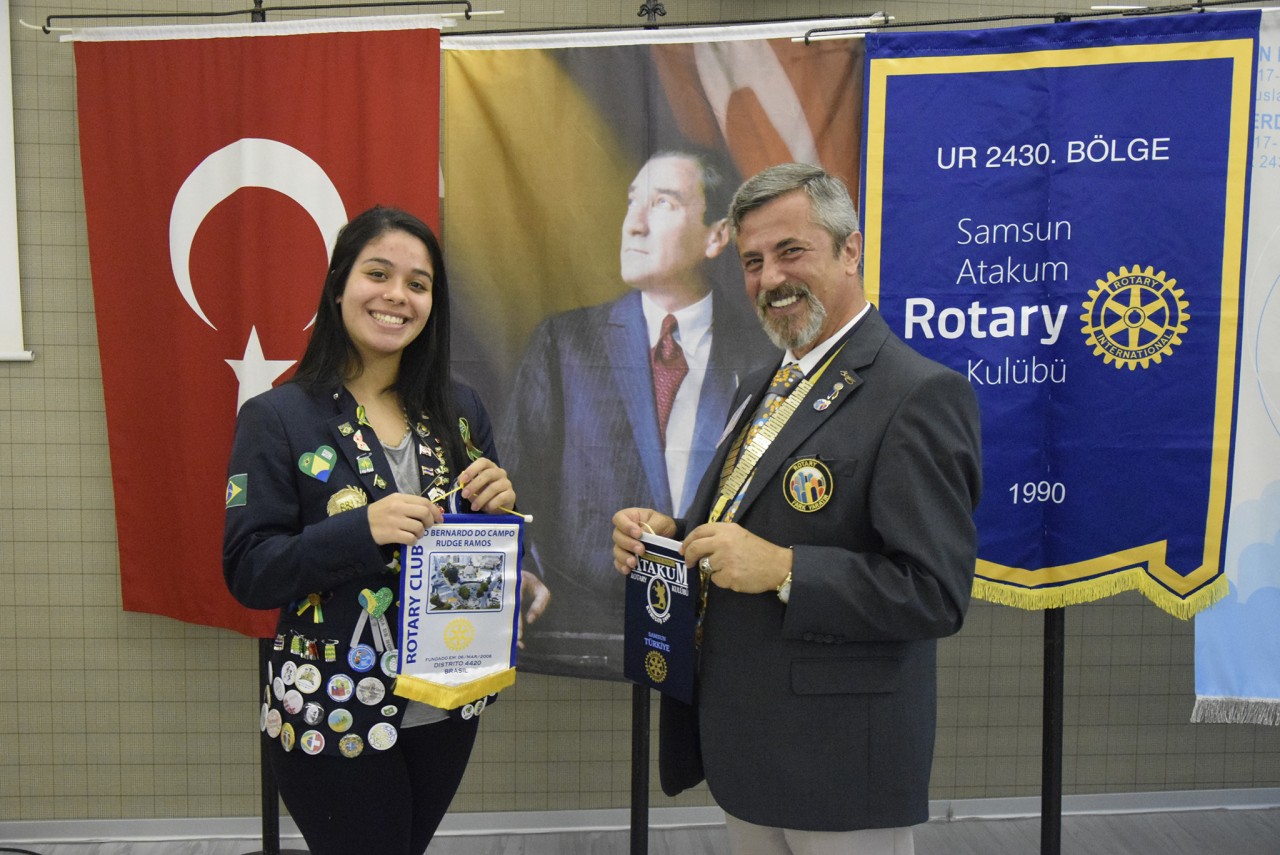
669,370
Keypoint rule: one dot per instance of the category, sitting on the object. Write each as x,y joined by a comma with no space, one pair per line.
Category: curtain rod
820,33
259,11
687,24
257,14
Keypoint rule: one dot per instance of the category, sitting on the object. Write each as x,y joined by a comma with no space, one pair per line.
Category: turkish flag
217,172
770,100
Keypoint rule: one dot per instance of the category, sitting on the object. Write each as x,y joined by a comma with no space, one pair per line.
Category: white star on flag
255,372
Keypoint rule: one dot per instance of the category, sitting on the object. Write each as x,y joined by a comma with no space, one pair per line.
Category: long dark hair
423,381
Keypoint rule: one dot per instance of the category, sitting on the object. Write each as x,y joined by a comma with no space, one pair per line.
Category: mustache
782,292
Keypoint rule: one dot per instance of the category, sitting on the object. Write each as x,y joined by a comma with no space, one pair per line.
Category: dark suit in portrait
611,404
581,435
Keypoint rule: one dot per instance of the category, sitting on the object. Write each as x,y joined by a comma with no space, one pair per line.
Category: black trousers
382,802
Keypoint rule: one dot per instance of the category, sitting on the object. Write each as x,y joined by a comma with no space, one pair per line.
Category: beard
793,331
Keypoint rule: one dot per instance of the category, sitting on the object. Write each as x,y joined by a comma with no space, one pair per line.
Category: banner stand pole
1055,621
270,793
1051,733
639,769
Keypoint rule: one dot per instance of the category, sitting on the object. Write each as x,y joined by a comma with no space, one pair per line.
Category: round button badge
340,687
361,658
292,702
312,742
370,691
274,723
307,679
382,736
340,721
350,745
313,713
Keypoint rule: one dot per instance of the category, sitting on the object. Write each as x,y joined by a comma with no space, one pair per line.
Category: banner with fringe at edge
1145,567
475,652
1236,643
1073,585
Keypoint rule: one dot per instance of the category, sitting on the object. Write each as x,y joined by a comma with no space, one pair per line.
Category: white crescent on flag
248,163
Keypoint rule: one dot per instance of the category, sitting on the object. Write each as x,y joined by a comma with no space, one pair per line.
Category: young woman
329,474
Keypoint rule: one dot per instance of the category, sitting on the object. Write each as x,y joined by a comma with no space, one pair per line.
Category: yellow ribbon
312,600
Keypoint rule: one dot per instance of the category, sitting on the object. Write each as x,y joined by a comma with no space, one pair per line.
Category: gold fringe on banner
1088,590
452,697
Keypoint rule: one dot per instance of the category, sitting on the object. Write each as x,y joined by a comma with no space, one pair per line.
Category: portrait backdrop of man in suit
623,402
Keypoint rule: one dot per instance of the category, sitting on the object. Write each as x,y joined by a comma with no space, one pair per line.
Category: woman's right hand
402,518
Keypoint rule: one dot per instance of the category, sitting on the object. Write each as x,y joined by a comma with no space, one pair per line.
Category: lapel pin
822,403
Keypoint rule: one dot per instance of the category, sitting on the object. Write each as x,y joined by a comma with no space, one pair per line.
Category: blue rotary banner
1057,212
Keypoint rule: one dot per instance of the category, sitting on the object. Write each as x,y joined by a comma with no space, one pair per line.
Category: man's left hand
739,560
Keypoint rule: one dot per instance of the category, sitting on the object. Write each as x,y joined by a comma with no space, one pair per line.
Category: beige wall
108,714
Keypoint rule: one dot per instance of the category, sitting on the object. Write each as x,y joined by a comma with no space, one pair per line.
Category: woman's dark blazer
295,529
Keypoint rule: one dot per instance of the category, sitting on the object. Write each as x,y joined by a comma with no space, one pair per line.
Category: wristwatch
784,590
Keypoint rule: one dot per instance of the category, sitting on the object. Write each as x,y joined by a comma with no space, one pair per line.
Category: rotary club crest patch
807,485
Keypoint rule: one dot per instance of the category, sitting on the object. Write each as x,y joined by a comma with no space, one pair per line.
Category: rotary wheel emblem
458,634
1135,317
655,666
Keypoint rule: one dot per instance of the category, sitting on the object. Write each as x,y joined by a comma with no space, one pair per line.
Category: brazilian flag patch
237,491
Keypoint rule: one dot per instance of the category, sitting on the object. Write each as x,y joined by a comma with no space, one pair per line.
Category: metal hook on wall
652,11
